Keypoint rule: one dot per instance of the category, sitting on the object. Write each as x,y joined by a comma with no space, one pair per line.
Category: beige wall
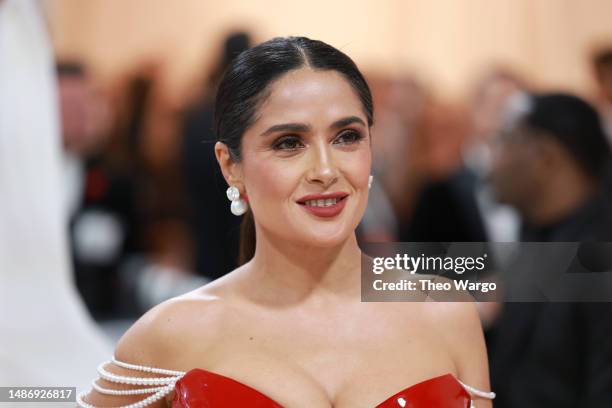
446,42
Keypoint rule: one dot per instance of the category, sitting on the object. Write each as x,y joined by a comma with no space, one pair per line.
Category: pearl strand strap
159,387
477,392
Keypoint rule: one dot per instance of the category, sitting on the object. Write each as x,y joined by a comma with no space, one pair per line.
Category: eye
288,143
348,137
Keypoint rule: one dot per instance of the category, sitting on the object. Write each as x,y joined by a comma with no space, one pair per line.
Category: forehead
307,95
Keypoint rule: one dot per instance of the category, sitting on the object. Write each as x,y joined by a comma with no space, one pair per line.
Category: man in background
99,198
550,164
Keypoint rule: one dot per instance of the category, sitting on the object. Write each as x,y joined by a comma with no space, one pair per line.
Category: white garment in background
46,335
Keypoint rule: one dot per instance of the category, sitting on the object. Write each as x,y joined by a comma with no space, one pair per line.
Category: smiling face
306,159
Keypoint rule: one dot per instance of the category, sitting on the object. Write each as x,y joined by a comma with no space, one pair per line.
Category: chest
309,360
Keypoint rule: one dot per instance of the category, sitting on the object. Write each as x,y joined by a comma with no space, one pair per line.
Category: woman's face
306,160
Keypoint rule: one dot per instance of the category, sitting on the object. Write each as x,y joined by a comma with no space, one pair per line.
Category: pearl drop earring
370,180
238,206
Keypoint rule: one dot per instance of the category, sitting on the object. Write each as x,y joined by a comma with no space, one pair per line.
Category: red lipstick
324,205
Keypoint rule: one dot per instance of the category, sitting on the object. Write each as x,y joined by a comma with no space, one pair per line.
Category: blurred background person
445,207
549,163
454,202
491,95
112,204
400,160
42,319
100,200
144,156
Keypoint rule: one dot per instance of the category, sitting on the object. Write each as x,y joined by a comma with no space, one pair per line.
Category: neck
562,196
290,272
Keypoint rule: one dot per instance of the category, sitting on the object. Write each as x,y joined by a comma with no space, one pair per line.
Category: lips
323,196
324,205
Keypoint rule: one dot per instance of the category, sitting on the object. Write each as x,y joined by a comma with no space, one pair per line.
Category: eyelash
355,137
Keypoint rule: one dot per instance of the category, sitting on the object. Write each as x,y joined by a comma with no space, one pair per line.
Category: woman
287,328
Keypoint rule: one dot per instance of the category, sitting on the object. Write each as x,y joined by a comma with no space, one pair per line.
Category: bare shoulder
458,325
448,312
164,335
169,337
176,332
453,319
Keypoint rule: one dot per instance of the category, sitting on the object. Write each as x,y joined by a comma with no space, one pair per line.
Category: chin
328,236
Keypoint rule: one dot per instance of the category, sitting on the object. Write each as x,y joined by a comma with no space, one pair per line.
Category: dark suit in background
446,211
556,354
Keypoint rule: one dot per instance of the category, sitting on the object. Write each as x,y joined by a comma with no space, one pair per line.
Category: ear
232,171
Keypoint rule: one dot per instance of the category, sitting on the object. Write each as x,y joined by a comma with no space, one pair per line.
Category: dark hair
576,125
246,82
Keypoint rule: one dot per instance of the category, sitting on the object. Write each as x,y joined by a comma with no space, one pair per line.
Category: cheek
268,182
358,167
357,171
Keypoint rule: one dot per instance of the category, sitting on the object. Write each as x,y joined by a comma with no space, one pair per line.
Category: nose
323,169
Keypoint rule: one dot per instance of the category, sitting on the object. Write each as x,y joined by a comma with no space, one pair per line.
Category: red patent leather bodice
204,389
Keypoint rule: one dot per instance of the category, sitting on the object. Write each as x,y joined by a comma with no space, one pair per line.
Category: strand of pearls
165,384
146,369
109,391
122,379
477,392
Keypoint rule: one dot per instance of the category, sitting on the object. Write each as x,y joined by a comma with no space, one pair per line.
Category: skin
290,322
83,116
539,177
517,168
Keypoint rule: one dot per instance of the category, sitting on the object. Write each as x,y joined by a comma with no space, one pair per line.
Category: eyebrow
349,120
301,127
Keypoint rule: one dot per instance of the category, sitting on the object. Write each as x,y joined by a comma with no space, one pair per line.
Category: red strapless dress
203,389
